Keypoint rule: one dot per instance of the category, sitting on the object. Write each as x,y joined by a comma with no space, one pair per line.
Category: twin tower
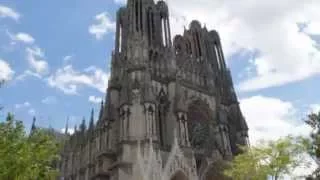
160,90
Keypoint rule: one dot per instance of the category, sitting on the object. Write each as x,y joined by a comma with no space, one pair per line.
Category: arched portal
199,117
179,176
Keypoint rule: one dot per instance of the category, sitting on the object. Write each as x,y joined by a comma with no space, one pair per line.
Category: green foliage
24,157
313,121
268,159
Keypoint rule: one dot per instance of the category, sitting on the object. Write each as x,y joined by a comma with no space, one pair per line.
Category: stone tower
159,90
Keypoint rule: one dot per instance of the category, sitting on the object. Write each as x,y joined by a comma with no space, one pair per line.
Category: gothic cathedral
160,92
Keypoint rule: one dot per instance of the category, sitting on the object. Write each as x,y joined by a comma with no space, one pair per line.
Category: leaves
313,121
26,157
268,159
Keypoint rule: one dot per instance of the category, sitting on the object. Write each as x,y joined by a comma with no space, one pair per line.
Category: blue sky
56,56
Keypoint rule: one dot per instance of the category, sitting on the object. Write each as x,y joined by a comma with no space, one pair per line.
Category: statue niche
199,124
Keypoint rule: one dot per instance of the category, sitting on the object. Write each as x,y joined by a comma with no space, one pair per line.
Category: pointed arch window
137,14
198,44
150,25
216,50
120,38
163,27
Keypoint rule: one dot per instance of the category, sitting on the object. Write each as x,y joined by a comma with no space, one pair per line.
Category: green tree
26,157
313,121
272,159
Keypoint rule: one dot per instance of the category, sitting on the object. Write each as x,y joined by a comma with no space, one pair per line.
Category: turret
91,126
101,110
83,129
66,130
33,126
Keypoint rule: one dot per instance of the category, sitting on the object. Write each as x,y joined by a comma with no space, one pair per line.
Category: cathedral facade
160,91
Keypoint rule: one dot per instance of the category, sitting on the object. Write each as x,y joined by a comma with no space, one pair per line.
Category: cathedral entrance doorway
179,176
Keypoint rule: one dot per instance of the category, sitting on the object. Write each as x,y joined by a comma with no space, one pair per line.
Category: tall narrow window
199,45
149,28
140,14
153,26
137,15
195,44
120,38
162,117
163,32
167,31
221,57
189,51
217,55
150,25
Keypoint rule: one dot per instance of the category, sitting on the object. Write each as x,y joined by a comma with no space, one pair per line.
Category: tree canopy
313,121
26,157
272,159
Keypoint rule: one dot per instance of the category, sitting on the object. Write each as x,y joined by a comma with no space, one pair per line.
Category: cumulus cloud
69,80
67,58
32,112
315,108
120,1
313,28
70,130
6,12
286,53
95,100
35,57
49,100
270,118
27,73
103,25
6,73
21,37
23,105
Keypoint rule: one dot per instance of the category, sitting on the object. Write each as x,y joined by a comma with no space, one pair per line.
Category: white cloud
313,28
286,54
26,74
49,100
315,108
32,112
21,37
6,73
67,58
6,12
70,130
35,57
95,100
103,26
270,118
23,105
120,1
69,80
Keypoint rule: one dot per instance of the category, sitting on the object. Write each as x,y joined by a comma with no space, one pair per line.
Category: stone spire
75,136
33,126
66,131
101,110
91,125
83,127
